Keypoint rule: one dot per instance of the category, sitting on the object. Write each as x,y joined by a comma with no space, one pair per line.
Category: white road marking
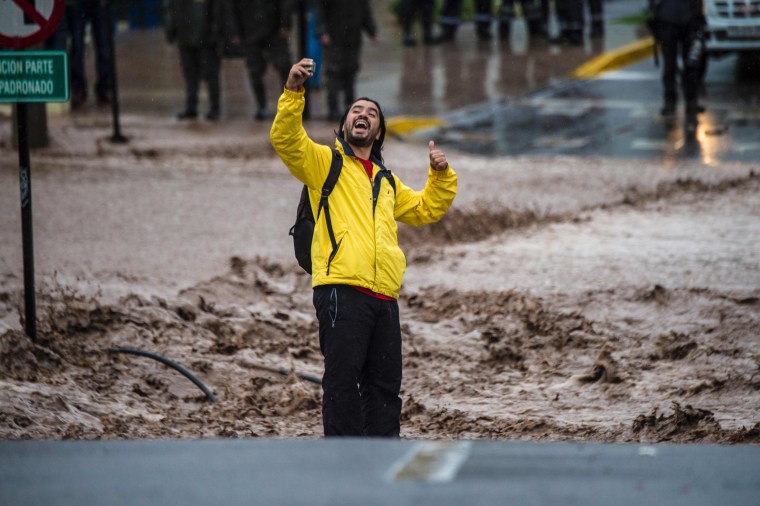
431,461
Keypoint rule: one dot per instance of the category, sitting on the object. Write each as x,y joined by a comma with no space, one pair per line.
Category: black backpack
303,229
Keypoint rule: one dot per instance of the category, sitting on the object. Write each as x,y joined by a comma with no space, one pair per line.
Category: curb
402,125
615,59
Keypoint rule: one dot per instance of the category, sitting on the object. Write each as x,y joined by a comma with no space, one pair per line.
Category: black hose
170,363
284,371
302,375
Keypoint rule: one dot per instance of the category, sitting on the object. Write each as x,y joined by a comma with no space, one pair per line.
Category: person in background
80,13
196,27
357,264
451,18
678,26
411,10
339,25
262,28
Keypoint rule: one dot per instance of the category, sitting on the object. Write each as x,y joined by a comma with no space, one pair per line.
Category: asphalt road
372,472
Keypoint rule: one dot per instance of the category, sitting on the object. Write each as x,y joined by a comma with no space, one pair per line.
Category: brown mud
502,365
573,300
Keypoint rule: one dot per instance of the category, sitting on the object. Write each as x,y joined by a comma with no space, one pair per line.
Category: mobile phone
312,68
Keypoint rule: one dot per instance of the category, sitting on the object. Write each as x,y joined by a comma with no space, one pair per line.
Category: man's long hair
377,145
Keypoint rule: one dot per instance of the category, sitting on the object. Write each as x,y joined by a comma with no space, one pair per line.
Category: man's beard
362,142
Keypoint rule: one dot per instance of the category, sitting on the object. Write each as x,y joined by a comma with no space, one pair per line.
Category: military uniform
679,26
78,14
343,21
261,27
195,25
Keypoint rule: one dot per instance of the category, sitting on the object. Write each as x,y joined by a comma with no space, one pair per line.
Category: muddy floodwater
560,299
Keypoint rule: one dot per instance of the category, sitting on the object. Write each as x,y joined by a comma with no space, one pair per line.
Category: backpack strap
327,188
382,173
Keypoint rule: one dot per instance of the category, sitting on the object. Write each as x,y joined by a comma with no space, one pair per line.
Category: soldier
261,28
80,13
339,26
679,26
195,25
451,18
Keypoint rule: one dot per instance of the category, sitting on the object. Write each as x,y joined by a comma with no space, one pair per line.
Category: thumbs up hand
437,158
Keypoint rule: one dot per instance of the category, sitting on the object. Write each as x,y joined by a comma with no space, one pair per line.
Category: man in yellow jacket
356,283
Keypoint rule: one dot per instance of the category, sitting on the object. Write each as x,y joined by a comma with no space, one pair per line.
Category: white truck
733,26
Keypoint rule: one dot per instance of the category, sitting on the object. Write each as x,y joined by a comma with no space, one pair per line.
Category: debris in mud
657,293
604,370
686,424
502,345
674,346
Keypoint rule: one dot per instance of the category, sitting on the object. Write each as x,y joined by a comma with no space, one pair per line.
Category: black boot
668,109
187,114
484,31
505,29
597,30
692,110
333,113
261,99
448,33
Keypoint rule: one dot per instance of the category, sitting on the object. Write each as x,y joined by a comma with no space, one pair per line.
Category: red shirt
367,166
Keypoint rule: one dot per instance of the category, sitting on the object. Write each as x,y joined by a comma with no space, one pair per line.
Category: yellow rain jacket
368,253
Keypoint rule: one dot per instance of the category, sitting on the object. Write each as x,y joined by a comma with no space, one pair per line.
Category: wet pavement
499,97
372,472
617,115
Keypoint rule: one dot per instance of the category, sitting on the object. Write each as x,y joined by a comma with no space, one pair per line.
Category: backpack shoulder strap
332,179
327,188
381,174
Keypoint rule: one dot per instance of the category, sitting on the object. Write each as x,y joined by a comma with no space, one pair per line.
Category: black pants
200,64
360,339
78,16
570,18
273,50
422,10
676,41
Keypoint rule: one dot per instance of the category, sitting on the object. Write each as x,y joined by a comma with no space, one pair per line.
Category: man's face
362,126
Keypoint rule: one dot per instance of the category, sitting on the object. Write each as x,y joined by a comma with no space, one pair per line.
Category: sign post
30,76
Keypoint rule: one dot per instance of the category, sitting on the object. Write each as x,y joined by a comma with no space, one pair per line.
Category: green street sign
34,76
